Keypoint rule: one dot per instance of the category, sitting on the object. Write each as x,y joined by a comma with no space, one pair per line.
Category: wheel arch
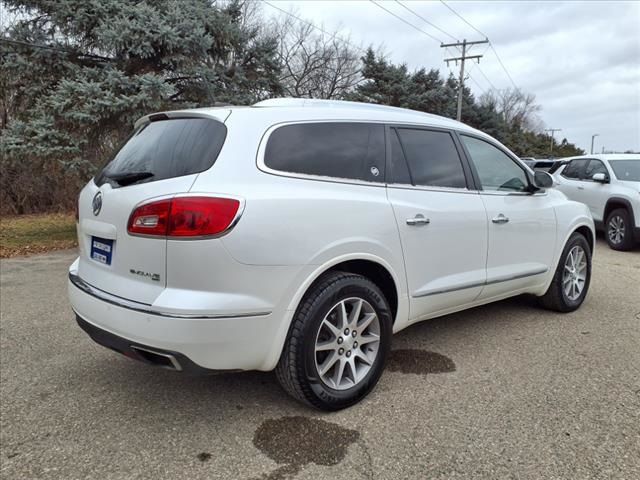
372,267
363,264
587,233
581,223
618,202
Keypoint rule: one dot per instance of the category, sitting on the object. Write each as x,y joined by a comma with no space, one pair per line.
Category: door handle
419,219
500,219
580,188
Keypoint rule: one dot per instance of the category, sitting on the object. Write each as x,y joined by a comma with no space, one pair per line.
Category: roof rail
315,102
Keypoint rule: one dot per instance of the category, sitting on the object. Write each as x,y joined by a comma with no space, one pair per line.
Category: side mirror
542,179
600,178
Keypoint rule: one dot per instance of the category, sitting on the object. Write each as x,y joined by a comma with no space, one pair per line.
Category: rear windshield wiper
128,178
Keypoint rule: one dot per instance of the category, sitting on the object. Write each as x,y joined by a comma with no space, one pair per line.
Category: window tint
398,165
165,149
595,166
497,171
574,168
343,150
432,158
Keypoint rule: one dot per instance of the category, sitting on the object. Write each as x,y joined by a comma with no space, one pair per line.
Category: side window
594,166
342,150
432,158
574,168
497,171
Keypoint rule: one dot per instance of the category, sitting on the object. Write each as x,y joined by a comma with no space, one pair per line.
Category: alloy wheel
347,343
575,273
616,229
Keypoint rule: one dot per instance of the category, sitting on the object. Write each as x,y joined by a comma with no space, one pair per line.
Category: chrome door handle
500,219
419,219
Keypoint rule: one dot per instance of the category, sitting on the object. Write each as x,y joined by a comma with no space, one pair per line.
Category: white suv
297,235
610,186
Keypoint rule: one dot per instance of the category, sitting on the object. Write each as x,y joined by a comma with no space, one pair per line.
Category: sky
580,58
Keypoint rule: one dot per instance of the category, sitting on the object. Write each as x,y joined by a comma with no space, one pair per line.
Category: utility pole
464,44
592,138
552,130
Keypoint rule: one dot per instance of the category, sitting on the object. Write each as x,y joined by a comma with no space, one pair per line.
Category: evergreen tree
388,84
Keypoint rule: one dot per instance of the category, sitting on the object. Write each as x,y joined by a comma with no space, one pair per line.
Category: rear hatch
162,158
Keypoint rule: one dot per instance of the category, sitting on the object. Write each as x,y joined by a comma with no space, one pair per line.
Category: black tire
619,216
297,372
556,298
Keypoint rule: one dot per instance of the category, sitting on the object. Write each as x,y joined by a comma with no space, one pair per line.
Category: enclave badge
97,203
153,276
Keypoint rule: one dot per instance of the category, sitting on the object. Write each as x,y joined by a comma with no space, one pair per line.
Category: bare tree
314,64
516,107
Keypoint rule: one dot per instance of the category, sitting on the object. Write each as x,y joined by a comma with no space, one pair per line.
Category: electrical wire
332,35
407,22
425,20
490,43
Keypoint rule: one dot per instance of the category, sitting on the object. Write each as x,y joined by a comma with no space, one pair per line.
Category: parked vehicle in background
539,164
298,235
609,184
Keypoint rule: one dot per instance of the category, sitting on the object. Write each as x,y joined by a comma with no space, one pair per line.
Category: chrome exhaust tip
160,359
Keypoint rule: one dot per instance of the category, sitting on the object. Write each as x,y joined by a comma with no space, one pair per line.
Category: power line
490,43
485,77
407,22
477,84
332,35
463,19
426,21
502,65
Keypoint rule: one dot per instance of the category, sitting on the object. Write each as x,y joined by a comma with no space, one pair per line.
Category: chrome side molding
146,308
482,284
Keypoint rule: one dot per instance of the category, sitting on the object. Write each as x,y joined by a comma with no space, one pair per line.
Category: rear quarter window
166,149
343,150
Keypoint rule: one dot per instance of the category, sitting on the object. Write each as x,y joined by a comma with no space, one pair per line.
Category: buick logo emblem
97,203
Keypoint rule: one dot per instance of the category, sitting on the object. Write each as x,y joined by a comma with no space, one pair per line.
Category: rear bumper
144,353
198,343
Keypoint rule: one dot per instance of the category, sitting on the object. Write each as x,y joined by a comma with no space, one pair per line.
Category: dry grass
30,234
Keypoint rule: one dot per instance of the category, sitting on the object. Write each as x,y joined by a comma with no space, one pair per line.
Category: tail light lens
184,217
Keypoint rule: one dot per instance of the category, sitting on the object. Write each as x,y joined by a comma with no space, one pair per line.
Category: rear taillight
184,217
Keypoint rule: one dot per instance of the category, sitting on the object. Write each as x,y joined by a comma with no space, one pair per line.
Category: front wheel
571,280
338,342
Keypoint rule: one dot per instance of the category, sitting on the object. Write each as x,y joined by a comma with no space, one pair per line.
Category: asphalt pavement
506,390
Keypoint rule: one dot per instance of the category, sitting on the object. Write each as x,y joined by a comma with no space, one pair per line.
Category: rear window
628,170
166,149
341,150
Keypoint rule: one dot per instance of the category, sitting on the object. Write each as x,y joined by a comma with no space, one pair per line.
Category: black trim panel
138,351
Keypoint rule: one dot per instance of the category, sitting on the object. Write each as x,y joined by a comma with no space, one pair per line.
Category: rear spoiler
217,113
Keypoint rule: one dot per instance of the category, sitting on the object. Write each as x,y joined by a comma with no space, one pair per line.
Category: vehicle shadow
158,391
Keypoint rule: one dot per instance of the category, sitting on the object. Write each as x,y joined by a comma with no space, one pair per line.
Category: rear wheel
618,230
571,280
338,342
